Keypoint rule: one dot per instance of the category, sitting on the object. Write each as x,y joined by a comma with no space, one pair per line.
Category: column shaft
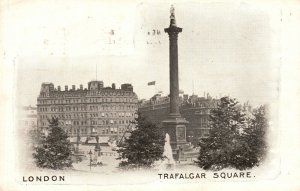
174,84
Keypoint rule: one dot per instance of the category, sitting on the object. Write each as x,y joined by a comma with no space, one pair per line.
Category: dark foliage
53,151
255,137
235,140
143,147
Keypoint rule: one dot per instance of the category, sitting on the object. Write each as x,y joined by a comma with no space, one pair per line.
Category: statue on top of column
172,17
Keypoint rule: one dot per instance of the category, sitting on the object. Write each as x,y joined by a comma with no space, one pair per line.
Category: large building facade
194,109
88,112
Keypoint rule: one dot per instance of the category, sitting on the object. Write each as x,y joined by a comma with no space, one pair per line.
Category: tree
220,149
255,137
54,150
236,140
143,147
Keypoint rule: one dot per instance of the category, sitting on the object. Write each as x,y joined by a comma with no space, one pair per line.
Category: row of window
91,108
112,107
43,109
111,93
76,131
106,122
101,131
86,115
88,100
94,122
202,119
201,104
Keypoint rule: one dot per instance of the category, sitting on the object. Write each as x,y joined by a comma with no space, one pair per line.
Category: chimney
51,87
113,86
73,87
81,87
58,88
66,88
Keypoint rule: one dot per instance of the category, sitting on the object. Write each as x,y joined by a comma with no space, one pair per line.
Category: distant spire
172,17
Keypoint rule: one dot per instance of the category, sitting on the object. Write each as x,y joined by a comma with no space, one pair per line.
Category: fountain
169,162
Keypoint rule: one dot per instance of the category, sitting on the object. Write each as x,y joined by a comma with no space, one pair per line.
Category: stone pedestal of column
176,128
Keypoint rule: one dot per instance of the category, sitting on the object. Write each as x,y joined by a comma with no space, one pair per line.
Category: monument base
175,126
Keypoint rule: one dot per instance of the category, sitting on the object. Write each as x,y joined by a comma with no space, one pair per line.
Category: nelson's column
174,125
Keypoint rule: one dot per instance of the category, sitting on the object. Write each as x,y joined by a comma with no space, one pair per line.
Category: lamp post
90,153
77,143
97,149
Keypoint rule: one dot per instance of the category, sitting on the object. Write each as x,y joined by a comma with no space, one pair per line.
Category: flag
151,83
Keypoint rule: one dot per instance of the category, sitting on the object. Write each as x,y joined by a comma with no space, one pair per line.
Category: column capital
173,30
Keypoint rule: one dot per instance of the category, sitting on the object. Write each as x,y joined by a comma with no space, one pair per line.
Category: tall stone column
174,125
173,31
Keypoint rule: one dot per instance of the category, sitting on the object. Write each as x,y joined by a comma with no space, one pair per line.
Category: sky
224,48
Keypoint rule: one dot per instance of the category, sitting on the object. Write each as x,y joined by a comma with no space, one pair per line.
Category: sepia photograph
172,94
